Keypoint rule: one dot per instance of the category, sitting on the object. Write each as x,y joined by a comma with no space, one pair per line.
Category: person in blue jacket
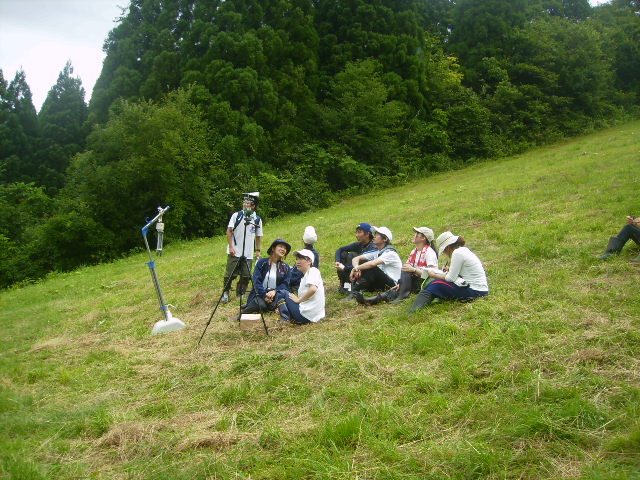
269,276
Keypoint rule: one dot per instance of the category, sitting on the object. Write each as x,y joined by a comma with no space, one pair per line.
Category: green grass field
540,380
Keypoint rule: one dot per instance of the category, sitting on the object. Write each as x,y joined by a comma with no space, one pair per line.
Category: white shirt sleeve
314,277
457,259
232,220
370,255
432,258
387,257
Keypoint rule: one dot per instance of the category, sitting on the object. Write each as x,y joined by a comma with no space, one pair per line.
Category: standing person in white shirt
308,305
465,279
244,232
381,268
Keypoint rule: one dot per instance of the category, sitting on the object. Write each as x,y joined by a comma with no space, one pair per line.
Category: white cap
383,231
426,231
444,240
309,236
305,253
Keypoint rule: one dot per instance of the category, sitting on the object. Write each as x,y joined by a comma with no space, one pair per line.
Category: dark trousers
374,279
233,269
256,304
294,312
629,232
447,290
346,259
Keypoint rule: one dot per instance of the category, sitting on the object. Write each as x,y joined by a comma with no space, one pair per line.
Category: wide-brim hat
426,231
279,241
444,240
305,252
383,231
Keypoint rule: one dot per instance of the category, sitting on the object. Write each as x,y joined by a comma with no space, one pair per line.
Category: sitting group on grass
370,264
380,269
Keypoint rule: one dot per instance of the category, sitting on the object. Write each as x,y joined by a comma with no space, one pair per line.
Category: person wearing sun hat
377,270
465,279
269,276
421,257
346,253
308,305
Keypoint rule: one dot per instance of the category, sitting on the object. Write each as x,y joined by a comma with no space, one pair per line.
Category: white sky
41,35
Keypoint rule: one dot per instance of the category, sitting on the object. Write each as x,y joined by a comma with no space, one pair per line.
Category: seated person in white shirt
465,280
376,270
421,257
308,305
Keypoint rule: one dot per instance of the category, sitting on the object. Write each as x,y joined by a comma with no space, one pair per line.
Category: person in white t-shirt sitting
308,305
464,280
421,257
379,269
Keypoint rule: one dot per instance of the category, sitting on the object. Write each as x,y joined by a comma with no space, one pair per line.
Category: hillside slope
539,380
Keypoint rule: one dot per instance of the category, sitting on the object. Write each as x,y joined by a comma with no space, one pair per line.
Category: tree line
303,100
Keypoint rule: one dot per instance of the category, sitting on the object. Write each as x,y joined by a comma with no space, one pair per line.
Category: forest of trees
303,100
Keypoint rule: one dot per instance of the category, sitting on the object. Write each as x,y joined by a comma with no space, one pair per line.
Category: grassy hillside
539,380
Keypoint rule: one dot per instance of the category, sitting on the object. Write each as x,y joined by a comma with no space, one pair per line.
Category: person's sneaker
225,297
342,290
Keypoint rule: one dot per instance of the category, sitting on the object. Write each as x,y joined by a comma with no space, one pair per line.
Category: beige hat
383,231
305,253
444,240
309,236
426,231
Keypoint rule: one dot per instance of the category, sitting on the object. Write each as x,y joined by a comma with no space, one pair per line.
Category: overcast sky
41,35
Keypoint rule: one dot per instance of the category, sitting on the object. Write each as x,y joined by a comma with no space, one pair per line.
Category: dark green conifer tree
63,128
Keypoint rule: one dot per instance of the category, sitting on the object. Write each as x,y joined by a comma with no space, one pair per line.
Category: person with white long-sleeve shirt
464,280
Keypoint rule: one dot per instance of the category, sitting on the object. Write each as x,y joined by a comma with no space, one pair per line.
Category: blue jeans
442,289
294,312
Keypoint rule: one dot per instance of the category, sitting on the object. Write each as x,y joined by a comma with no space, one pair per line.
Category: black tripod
242,262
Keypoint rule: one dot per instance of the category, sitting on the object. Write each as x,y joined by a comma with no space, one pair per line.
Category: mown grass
539,380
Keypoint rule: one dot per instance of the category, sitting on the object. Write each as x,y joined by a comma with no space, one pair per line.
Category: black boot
423,299
355,288
613,248
241,288
406,282
381,297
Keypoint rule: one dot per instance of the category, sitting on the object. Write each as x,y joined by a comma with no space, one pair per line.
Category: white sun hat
444,240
